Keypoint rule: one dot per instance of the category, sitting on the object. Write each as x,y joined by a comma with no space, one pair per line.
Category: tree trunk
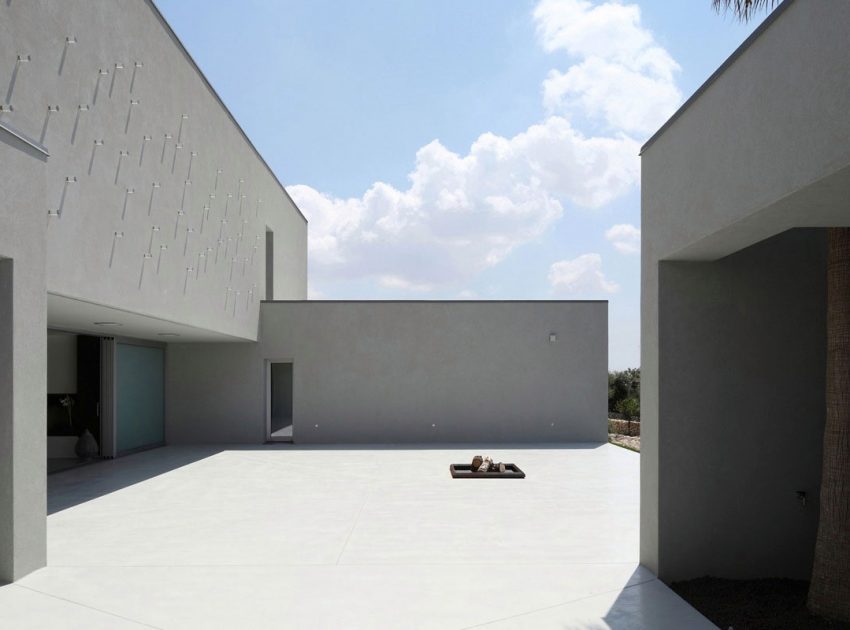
829,593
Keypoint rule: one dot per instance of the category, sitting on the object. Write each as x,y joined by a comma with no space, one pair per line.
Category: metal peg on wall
69,181
136,66
154,187
127,194
189,231
121,156
19,61
80,109
100,74
189,271
183,119
133,103
118,66
116,236
166,137
154,230
180,213
192,156
69,41
145,258
95,145
145,140
162,249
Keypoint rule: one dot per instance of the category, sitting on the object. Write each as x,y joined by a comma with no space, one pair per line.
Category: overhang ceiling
64,313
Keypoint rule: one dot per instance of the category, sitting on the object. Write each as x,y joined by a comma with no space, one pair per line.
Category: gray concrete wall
742,356
403,372
725,173
23,359
764,148
166,87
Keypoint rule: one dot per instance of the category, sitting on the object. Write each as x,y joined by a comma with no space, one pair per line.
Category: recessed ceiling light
107,324
168,334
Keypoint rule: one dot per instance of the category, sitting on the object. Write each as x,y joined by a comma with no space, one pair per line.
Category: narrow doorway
279,404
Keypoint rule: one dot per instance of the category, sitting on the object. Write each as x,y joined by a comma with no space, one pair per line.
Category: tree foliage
623,385
630,408
743,9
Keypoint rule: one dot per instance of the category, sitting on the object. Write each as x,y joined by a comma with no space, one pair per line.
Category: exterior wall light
553,337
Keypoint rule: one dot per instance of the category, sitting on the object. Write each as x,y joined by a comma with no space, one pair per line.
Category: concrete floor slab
354,537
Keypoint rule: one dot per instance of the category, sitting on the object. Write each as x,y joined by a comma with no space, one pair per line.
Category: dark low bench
464,471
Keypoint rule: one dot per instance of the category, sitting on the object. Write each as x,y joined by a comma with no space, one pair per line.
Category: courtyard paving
345,537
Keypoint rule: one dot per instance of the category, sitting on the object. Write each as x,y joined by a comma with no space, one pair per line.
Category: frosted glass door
139,398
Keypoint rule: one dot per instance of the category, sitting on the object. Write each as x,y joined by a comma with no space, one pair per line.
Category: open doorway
73,398
279,401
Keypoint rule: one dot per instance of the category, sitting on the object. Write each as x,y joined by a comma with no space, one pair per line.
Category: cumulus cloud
461,214
622,75
624,237
582,275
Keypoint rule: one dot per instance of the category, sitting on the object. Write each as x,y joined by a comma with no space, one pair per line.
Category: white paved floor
288,537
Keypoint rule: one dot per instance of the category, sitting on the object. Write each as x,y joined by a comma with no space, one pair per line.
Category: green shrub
630,408
623,385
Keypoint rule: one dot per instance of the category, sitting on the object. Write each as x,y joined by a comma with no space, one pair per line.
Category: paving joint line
104,612
571,601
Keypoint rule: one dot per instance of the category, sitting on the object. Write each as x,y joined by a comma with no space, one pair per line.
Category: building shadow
68,488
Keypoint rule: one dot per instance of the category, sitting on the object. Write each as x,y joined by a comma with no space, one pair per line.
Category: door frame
268,397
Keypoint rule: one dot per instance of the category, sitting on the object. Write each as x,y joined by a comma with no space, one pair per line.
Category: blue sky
478,149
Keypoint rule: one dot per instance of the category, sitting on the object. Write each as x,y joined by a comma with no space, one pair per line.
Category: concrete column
23,358
23,440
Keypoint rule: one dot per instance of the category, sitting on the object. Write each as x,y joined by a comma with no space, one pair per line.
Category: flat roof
770,19
467,301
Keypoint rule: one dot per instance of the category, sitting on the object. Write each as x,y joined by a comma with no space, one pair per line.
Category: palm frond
743,9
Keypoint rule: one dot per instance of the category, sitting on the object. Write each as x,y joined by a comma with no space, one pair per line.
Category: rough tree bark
829,593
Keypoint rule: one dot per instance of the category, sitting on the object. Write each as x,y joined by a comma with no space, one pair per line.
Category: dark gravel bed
753,604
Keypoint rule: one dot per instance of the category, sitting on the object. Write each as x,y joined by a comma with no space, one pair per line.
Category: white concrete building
153,270
738,188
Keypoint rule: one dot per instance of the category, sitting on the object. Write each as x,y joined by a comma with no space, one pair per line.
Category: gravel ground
631,442
753,604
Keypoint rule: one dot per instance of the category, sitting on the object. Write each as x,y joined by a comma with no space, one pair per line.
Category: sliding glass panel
139,396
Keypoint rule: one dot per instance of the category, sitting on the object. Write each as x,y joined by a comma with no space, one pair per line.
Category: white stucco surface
345,537
761,149
143,156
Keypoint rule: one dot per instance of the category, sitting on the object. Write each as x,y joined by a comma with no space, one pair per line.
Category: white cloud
464,213
623,76
624,237
581,275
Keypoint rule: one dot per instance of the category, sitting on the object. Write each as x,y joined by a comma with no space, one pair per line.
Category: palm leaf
743,9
